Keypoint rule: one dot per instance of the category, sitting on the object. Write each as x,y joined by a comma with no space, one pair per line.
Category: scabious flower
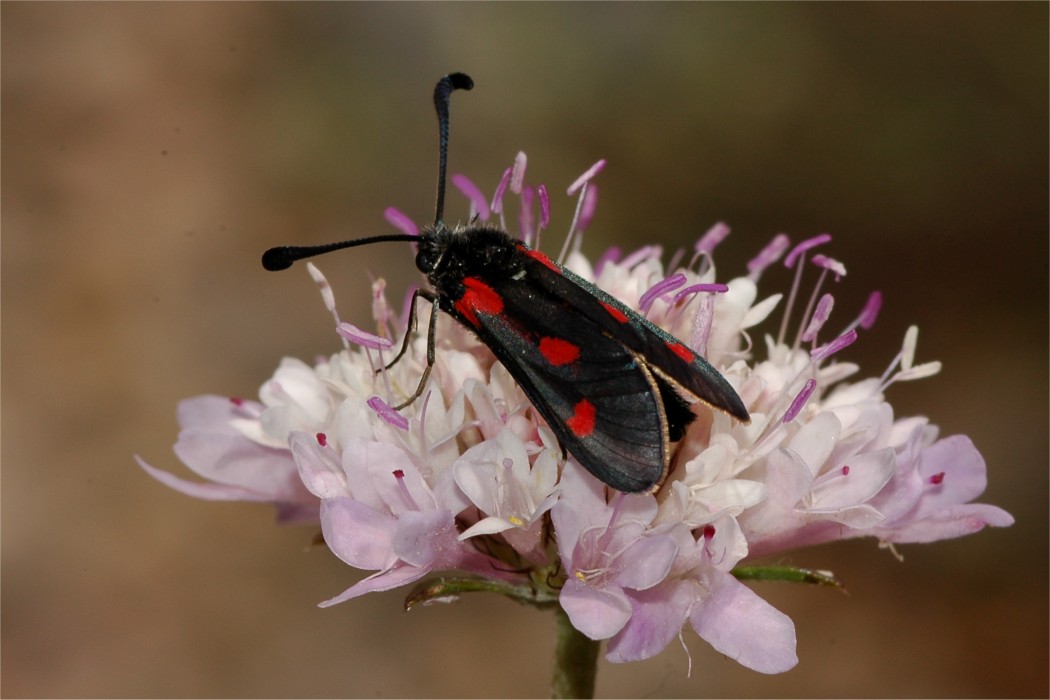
468,478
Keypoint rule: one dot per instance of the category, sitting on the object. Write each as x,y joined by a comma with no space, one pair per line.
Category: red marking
537,255
709,531
478,296
845,470
399,473
615,313
937,478
682,351
582,421
558,352
236,400
322,439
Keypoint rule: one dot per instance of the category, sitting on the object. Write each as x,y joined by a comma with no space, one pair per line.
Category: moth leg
429,296
435,305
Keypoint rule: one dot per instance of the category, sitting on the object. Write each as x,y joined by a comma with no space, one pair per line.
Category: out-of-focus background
150,152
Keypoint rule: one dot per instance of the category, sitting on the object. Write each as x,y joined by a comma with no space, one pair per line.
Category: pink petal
656,619
646,562
738,623
359,535
597,612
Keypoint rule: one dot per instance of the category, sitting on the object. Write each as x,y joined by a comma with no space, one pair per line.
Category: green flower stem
575,660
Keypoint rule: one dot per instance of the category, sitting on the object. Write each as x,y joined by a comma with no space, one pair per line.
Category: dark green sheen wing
600,399
665,355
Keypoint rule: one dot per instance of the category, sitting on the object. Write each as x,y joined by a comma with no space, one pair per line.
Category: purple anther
820,317
388,414
805,245
714,288
769,255
871,310
715,235
400,220
641,255
799,401
474,194
362,337
517,175
828,349
586,177
664,286
528,194
590,205
831,264
497,198
545,206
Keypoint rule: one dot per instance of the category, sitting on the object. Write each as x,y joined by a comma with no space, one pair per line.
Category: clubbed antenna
444,88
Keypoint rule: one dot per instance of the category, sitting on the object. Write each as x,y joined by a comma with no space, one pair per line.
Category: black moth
607,381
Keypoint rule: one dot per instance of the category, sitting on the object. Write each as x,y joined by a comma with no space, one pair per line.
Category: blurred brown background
152,151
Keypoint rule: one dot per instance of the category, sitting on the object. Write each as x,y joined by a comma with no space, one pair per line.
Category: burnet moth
608,382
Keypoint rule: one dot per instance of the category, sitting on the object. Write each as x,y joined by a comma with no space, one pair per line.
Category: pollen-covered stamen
497,197
937,479
828,349
402,488
767,256
796,254
525,218
871,310
820,317
479,206
327,296
588,208
558,352
826,265
710,240
400,221
387,413
322,439
517,173
545,205
906,358
703,322
714,288
706,311
830,264
648,252
664,286
706,246
799,401
362,337
584,207
237,401
799,250
582,180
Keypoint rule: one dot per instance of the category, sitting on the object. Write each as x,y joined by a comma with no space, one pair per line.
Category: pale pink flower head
467,482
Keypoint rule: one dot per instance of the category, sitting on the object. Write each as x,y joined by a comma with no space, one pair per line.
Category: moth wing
600,399
665,355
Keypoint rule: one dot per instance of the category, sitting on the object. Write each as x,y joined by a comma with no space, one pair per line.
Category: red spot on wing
682,351
478,297
615,313
581,423
558,352
537,255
